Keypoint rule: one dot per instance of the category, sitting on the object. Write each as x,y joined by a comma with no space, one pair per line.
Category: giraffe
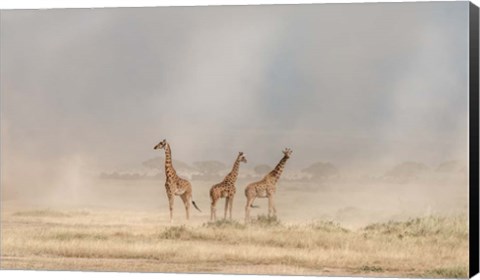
175,185
226,189
266,187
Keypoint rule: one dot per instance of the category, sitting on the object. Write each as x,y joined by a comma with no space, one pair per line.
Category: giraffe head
160,145
241,157
287,152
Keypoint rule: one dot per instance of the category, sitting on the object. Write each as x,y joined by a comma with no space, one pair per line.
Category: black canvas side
474,140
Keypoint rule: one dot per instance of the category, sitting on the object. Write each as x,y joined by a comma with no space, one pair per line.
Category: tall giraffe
226,189
266,187
175,185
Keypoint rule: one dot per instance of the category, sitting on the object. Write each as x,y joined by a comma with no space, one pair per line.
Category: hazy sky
347,83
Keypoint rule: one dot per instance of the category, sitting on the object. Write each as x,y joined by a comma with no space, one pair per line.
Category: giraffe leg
247,212
247,208
213,210
171,199
230,203
227,199
186,201
270,205
274,209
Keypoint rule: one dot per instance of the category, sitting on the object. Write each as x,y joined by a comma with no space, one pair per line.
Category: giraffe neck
169,170
232,176
274,175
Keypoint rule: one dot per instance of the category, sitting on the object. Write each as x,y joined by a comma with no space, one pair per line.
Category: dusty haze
364,87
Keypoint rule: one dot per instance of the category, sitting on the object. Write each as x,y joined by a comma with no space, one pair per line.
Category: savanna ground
400,232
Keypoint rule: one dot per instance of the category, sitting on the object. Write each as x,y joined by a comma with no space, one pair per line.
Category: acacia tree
452,166
407,170
209,167
159,163
262,169
321,170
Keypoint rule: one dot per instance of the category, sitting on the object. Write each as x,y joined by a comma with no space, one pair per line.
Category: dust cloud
379,91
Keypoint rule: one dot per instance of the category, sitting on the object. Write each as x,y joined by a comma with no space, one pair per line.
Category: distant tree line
316,172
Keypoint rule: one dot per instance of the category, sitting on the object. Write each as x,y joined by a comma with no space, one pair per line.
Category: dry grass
141,241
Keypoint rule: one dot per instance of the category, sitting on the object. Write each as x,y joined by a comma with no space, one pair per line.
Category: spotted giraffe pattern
174,185
266,187
226,189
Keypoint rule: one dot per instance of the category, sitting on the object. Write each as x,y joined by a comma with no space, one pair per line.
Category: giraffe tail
196,207
254,206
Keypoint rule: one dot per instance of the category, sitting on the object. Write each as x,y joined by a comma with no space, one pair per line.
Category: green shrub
329,226
372,268
449,272
266,221
176,232
422,227
224,224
